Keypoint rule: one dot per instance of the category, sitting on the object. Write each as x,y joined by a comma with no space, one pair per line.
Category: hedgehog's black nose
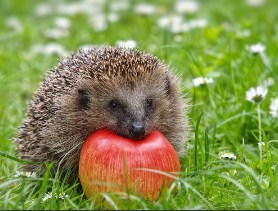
137,130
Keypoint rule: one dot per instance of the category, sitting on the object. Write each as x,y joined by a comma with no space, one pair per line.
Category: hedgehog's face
131,109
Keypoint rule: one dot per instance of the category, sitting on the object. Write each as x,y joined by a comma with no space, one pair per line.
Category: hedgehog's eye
84,98
149,103
114,105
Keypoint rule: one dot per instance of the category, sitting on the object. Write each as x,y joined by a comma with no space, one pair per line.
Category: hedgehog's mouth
135,137
136,131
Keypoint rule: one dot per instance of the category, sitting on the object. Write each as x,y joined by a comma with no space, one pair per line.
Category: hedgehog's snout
137,130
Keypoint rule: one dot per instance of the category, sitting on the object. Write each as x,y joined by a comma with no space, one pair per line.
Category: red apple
111,163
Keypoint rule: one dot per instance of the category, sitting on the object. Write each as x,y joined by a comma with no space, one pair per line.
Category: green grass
221,118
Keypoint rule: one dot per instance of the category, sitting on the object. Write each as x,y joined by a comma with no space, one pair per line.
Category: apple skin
109,163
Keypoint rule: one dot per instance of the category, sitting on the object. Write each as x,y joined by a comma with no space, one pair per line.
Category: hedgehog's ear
84,98
167,85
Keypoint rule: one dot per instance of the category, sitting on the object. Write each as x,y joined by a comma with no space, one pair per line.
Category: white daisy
126,44
56,33
119,5
98,22
202,81
113,17
71,8
228,155
186,6
14,24
180,28
254,3
256,95
256,48
48,49
198,23
144,9
274,107
62,23
268,82
43,10
169,20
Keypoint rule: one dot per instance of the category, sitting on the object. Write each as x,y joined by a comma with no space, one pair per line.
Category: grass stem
260,132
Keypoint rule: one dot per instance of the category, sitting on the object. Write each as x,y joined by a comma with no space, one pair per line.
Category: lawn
226,55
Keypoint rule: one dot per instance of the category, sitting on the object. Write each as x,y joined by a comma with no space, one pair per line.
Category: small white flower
47,196
186,6
99,22
25,174
198,23
228,155
126,44
256,48
113,17
54,48
14,24
62,196
202,81
261,145
175,24
170,20
256,95
48,49
62,23
274,107
56,33
268,82
144,9
255,3
100,26
43,10
71,8
119,5
179,28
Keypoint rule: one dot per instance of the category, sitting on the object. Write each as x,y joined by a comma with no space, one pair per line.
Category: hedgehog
127,91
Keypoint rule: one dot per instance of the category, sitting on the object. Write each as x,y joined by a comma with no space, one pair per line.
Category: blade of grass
16,159
206,145
197,140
